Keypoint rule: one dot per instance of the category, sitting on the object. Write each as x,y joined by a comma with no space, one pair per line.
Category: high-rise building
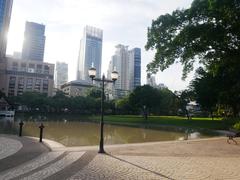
5,15
134,68
128,64
122,67
61,74
90,52
34,41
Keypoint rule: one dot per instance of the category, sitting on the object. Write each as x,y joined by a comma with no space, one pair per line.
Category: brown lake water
78,133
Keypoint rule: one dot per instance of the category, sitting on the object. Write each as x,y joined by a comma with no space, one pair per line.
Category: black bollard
41,132
20,128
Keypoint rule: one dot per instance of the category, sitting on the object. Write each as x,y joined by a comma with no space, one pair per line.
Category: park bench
233,134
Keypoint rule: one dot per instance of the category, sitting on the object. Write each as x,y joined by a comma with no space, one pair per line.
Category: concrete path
26,158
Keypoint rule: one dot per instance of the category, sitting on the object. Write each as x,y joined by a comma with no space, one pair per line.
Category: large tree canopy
209,31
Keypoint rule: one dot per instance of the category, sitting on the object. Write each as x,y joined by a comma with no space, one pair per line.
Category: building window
37,86
11,86
23,67
45,85
46,69
20,86
39,68
14,66
29,84
31,68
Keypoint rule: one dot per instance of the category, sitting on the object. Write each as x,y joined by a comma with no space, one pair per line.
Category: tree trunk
235,110
187,114
211,112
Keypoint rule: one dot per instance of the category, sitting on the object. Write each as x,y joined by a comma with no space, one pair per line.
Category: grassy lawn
176,121
153,121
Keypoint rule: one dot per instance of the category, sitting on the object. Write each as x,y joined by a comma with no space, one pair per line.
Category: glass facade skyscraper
34,42
5,16
128,64
134,68
90,52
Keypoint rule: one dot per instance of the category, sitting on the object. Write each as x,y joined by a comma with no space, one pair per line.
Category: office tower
128,65
134,68
5,15
61,74
90,52
122,67
120,63
34,42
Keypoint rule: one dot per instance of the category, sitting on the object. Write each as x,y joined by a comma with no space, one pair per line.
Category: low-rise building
18,76
76,88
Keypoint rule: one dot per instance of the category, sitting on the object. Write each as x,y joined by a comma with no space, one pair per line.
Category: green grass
154,121
175,121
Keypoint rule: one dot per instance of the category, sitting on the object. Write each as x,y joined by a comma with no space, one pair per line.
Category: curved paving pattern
177,161
8,147
30,166
55,167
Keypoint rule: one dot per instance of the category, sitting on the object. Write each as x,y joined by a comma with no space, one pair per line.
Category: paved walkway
26,158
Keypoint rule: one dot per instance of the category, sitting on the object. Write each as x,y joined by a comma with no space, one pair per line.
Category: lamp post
92,75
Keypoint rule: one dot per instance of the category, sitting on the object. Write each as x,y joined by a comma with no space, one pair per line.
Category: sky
122,21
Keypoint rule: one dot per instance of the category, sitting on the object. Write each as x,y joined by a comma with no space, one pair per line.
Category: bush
237,126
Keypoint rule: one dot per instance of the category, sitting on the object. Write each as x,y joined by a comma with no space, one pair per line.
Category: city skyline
65,20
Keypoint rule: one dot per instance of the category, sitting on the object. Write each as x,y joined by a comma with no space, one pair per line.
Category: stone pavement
26,158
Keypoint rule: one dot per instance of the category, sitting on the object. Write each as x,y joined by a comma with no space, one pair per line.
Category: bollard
20,128
41,132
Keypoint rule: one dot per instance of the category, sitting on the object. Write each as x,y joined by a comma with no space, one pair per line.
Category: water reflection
72,133
7,125
79,133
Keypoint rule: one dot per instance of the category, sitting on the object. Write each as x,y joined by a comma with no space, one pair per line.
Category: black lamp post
114,76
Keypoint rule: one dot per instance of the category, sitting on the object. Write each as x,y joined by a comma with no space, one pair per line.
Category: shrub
237,126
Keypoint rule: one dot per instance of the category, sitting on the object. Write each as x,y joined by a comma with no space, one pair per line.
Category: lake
82,133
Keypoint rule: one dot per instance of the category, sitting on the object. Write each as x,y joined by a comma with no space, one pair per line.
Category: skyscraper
5,15
34,42
61,74
134,68
122,67
90,52
128,64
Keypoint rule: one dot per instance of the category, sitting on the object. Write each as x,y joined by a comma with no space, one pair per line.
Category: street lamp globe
92,72
114,75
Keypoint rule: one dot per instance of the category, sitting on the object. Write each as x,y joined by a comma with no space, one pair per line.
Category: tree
168,102
206,90
2,94
94,92
59,102
124,107
184,98
208,31
145,98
